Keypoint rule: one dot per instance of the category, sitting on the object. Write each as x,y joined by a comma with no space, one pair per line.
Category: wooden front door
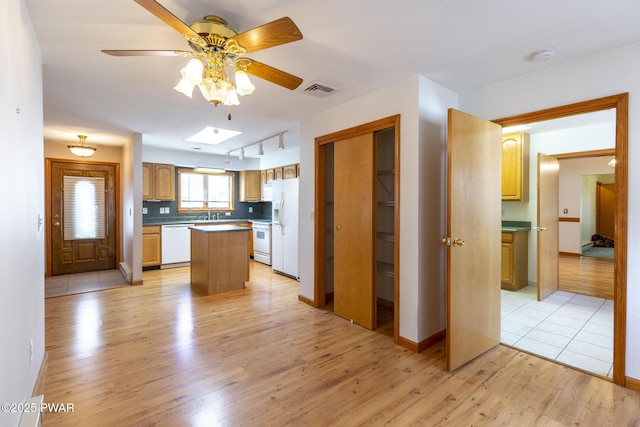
354,219
548,227
605,209
83,219
473,229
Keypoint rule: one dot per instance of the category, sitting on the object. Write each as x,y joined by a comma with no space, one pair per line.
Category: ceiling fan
217,48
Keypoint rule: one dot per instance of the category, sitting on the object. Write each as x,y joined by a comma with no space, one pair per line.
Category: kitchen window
204,191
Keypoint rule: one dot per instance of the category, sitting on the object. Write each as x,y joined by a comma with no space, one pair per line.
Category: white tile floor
574,329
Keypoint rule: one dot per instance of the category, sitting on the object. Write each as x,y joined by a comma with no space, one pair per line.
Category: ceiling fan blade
269,35
147,52
273,75
171,20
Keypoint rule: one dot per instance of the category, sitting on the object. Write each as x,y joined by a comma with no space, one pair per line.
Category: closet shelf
386,236
385,268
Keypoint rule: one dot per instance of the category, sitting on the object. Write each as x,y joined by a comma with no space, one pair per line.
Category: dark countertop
218,228
201,221
515,226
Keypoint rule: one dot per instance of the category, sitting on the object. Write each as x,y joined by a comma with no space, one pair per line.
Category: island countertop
217,228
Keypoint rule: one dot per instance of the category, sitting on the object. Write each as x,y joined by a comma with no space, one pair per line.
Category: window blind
83,208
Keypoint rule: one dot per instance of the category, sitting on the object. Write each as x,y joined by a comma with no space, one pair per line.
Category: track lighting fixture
227,160
241,156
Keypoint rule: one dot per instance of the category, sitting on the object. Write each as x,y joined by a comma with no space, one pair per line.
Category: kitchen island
219,258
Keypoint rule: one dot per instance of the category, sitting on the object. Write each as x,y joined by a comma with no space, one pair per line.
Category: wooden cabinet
270,175
289,171
514,272
247,225
151,246
277,173
250,186
515,167
158,182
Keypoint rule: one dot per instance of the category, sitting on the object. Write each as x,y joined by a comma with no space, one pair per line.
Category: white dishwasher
176,245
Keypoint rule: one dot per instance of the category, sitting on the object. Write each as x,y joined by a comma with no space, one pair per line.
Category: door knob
57,223
452,242
337,227
539,228
457,241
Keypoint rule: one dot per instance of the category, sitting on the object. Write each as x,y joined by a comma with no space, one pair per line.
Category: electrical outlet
144,211
167,210
227,213
250,209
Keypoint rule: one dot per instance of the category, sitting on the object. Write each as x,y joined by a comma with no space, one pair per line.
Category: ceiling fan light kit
216,49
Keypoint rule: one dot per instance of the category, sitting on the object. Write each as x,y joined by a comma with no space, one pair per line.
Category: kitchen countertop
201,221
218,228
515,226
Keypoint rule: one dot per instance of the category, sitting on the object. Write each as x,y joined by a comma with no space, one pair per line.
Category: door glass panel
83,208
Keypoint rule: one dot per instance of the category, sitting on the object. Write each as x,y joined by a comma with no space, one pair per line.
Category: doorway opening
620,104
82,226
357,224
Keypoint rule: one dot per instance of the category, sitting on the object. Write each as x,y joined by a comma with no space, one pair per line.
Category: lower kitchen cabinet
514,273
151,246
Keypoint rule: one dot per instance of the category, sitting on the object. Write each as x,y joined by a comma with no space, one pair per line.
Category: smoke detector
543,55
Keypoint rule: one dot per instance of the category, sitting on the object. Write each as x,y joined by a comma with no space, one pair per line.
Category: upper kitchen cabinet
250,186
277,173
158,182
289,171
515,167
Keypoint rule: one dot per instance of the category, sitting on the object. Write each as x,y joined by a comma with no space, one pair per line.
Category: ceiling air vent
319,89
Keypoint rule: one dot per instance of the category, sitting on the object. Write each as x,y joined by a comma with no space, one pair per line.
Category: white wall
601,75
422,106
22,257
572,195
272,158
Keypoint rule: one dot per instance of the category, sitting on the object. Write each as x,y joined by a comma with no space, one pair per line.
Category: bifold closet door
354,230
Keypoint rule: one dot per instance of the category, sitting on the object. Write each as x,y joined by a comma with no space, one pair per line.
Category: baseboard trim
570,254
306,300
37,387
424,344
633,384
136,283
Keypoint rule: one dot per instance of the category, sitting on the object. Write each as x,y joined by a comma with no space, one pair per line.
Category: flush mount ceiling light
82,149
217,52
543,55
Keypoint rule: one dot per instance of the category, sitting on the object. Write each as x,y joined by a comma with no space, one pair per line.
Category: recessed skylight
212,136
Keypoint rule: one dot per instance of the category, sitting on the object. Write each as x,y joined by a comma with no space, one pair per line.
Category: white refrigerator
284,230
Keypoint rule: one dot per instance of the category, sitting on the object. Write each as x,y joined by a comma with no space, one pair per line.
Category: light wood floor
162,355
586,275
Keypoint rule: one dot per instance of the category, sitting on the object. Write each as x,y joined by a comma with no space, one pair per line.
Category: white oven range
262,242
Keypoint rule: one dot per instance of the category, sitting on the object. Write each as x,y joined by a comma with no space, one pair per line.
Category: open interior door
473,237
548,244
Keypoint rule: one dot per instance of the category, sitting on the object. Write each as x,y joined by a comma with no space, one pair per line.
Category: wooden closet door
354,230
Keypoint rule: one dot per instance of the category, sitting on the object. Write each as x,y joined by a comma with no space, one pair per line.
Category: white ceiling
357,46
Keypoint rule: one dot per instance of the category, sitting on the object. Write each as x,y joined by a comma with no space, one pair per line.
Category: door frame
47,203
621,103
319,291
